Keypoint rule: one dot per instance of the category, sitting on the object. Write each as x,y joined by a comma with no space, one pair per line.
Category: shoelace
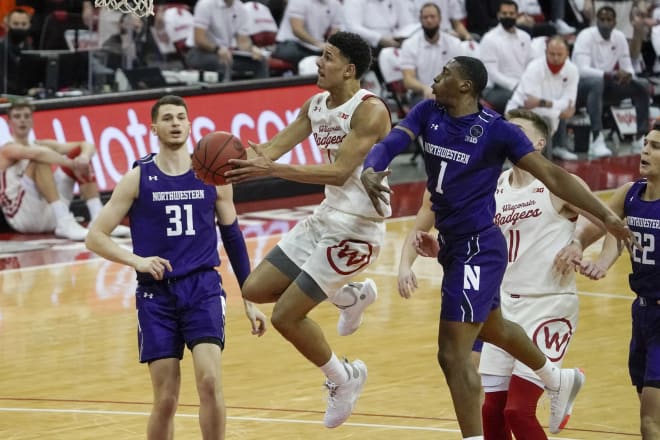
332,392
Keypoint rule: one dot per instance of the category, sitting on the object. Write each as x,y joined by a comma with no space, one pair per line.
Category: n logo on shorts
349,256
471,277
552,337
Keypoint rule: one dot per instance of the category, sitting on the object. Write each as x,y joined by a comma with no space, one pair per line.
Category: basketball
210,158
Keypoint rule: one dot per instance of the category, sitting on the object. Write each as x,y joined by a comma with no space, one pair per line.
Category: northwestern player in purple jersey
179,298
639,203
464,149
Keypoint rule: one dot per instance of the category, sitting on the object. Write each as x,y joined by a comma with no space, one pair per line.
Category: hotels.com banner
122,134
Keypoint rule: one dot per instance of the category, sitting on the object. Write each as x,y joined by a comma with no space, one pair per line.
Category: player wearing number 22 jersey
462,174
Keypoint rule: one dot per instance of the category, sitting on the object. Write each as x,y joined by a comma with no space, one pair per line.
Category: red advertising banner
122,134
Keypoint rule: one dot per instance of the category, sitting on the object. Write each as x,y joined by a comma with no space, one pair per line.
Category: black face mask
604,31
507,22
430,32
17,36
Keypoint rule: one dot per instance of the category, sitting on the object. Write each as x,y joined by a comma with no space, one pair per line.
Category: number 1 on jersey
441,177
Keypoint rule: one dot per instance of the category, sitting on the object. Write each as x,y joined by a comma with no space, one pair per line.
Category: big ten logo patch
349,256
552,337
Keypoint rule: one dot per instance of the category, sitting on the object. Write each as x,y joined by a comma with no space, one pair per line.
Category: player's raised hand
426,244
376,189
155,266
592,270
568,258
256,165
256,317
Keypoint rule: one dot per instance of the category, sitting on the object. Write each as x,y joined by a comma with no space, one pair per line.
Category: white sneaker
342,398
598,147
561,401
350,317
68,227
121,231
563,28
563,153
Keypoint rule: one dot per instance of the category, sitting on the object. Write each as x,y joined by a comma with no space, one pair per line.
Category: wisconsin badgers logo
552,337
349,256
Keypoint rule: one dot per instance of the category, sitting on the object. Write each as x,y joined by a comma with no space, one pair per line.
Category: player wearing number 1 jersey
179,298
464,148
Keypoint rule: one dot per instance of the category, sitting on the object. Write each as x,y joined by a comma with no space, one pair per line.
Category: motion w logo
552,337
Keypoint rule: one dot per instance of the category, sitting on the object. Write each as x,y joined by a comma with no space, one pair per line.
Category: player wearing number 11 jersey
536,225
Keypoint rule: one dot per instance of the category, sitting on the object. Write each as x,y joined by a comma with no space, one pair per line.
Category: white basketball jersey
11,189
329,128
534,232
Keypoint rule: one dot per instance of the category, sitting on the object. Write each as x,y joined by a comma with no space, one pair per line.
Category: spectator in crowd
623,10
380,23
103,21
305,27
217,25
127,48
548,87
453,14
425,53
17,40
506,52
33,198
602,56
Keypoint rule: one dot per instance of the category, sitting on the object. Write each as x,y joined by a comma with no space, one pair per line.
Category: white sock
94,205
474,437
59,209
345,296
549,374
335,371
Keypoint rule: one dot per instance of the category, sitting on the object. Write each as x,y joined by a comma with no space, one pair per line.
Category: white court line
247,419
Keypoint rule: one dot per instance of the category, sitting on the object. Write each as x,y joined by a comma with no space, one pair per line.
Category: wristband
234,243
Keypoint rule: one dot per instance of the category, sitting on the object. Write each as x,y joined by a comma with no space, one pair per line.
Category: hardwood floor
69,366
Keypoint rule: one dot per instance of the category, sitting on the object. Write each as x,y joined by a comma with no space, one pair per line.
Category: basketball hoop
140,8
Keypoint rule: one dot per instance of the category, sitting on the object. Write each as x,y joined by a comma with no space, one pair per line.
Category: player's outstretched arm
566,187
234,244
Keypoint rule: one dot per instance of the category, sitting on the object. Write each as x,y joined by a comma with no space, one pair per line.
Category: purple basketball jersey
463,159
174,218
644,221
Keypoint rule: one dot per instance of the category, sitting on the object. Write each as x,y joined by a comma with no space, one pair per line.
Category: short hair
606,8
355,49
508,2
473,69
431,4
20,103
559,39
538,122
167,100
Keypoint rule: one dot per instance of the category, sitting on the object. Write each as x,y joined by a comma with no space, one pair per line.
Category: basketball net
140,8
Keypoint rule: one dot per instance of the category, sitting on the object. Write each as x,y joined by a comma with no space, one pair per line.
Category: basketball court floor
69,369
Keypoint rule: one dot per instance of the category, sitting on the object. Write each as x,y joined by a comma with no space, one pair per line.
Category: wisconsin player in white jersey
536,225
315,260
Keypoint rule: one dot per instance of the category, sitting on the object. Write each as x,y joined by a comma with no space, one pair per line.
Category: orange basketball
210,158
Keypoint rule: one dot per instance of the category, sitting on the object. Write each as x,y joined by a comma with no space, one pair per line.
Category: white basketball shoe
561,400
342,398
350,317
